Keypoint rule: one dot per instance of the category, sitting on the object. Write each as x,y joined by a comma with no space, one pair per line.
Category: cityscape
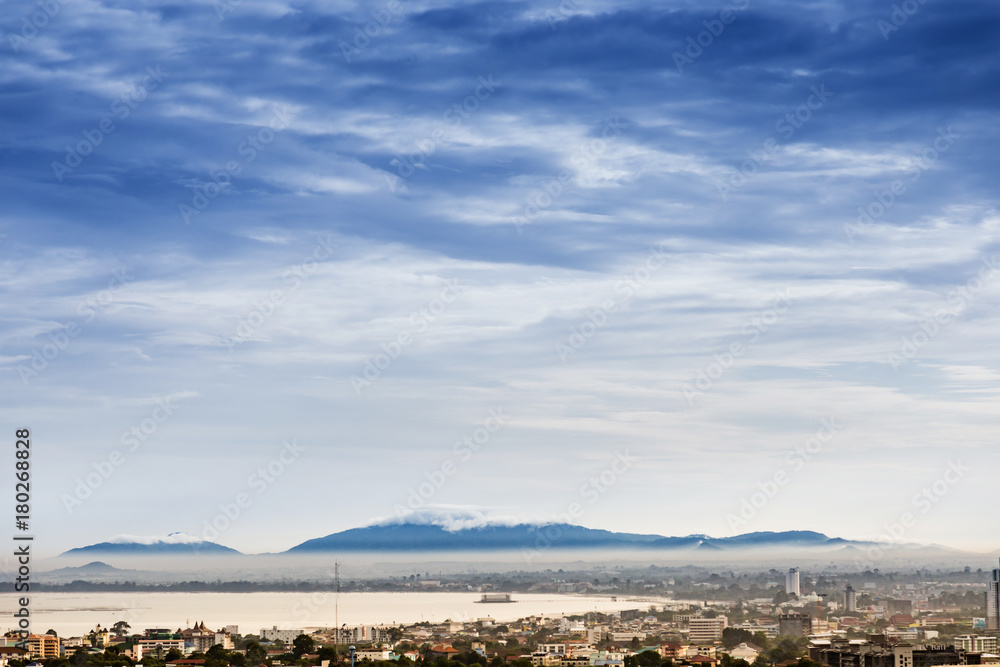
727,619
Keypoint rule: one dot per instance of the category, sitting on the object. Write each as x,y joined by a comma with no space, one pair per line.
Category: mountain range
426,537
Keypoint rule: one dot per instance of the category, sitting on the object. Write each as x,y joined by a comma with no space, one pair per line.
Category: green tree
735,636
643,659
255,652
303,644
780,597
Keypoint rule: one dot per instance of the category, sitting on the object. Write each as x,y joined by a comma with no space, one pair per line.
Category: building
362,634
850,599
976,644
898,607
910,635
746,651
795,624
443,651
8,653
99,637
552,648
993,602
43,646
274,634
155,646
374,654
202,638
706,629
792,583
607,659
673,651
879,651
703,661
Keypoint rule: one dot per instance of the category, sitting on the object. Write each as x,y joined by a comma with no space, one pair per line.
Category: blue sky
281,260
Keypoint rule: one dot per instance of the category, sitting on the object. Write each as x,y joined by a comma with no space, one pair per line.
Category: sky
273,270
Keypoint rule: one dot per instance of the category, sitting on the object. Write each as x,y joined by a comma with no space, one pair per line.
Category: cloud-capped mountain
406,536
172,544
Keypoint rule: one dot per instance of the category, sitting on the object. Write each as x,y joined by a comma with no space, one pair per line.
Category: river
73,614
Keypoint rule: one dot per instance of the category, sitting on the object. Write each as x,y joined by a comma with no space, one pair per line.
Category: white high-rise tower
792,582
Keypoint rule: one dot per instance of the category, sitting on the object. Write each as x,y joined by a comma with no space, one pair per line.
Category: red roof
442,648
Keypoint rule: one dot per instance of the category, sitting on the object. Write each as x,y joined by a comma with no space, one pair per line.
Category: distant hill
94,567
430,537
95,571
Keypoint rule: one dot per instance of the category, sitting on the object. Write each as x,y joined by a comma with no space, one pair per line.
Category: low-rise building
746,651
374,654
275,634
976,644
706,629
